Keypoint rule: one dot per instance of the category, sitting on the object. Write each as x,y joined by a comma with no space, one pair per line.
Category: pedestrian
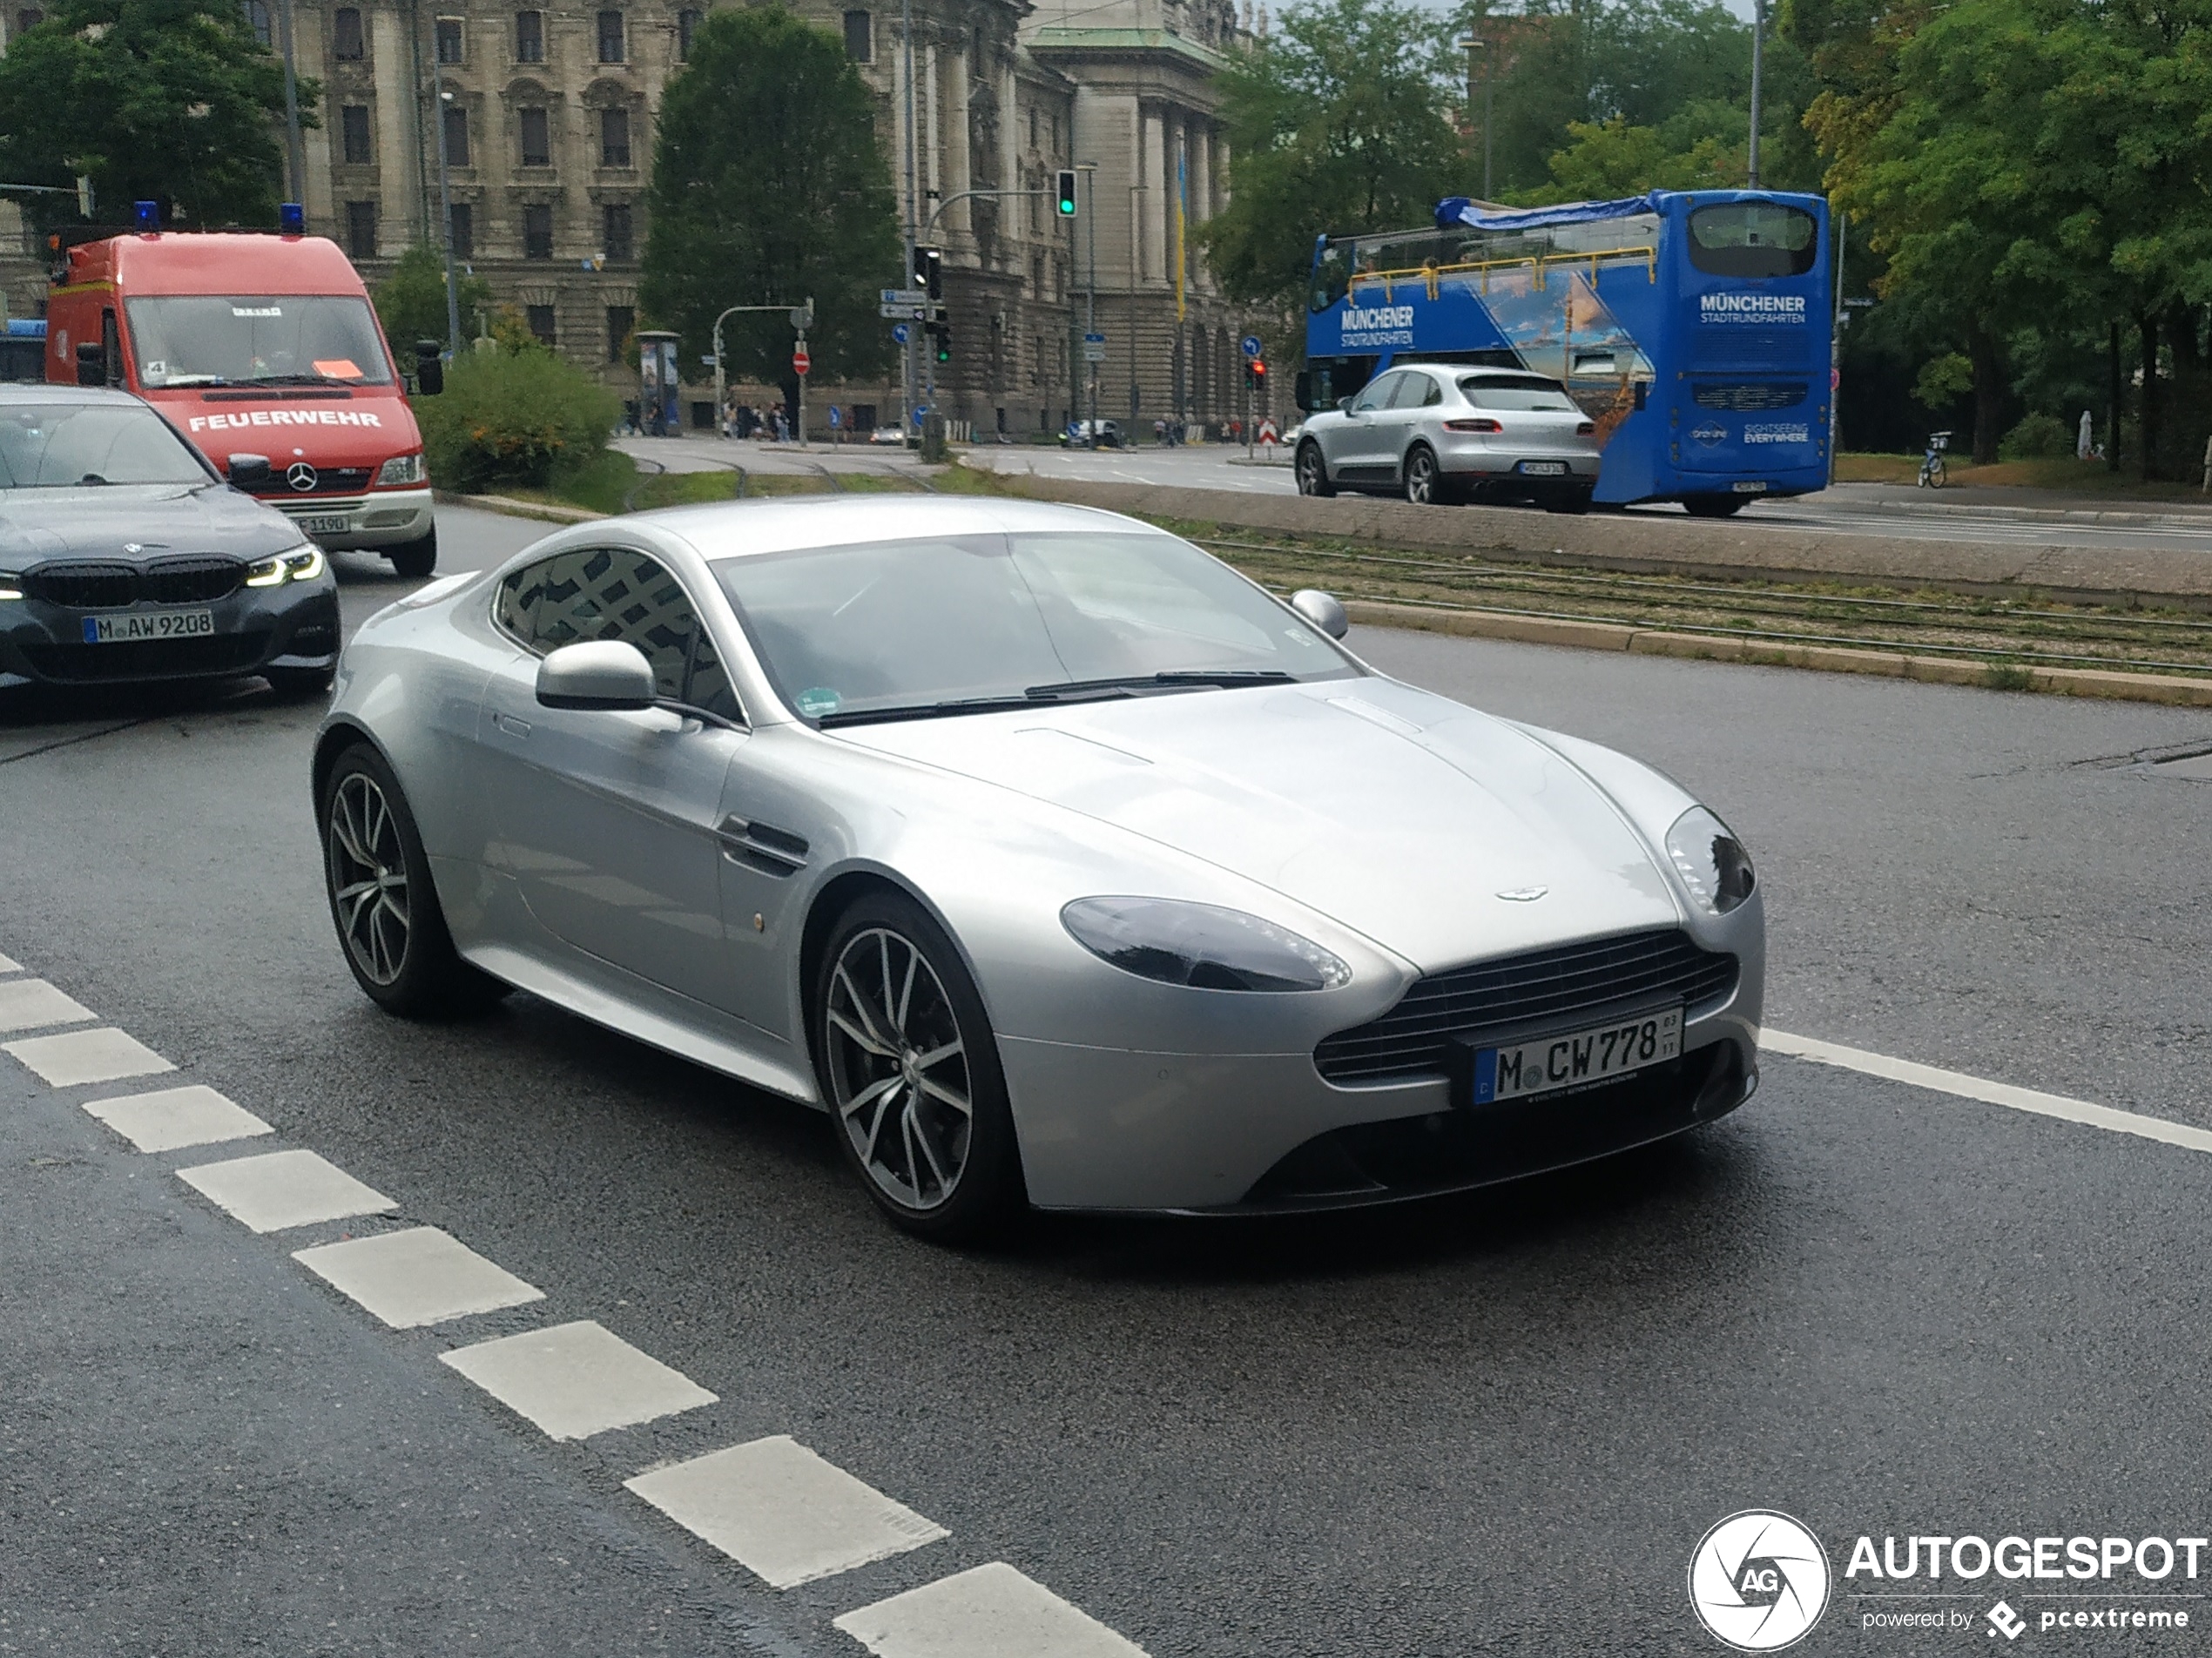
2085,439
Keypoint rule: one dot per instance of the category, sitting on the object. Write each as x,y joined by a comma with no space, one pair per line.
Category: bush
2037,438
519,417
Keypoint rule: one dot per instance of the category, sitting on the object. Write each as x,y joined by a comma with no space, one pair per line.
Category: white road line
417,1277
577,1379
7,964
103,1055
283,1189
783,1512
28,1004
1976,1087
992,1612
170,1119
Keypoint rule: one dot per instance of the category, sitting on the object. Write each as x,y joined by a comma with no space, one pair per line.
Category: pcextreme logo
1759,1581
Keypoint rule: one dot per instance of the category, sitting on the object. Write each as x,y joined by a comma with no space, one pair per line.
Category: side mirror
598,674
249,471
92,363
1325,610
1302,390
1344,406
429,369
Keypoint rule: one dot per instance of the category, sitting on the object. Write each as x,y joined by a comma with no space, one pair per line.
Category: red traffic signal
1258,368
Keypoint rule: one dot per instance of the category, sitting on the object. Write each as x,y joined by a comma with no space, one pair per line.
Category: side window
613,593
1409,390
709,686
1432,393
1378,395
516,608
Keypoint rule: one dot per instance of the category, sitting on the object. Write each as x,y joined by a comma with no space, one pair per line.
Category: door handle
511,725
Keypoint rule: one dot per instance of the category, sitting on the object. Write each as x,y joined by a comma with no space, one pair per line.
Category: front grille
1543,986
150,659
336,480
1750,396
190,581
84,586
313,505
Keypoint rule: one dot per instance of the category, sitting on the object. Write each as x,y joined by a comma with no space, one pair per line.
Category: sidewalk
702,451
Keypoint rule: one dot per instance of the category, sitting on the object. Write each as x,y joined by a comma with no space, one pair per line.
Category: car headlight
401,468
1710,860
301,564
1203,945
11,585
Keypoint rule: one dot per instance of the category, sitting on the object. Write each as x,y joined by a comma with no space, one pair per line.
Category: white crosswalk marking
783,1512
284,1188
28,1004
417,1277
577,1380
170,1119
992,1612
79,1056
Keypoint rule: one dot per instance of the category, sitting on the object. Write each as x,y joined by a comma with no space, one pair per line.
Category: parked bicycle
1932,472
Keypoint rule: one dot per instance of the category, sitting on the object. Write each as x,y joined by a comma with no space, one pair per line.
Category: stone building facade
547,113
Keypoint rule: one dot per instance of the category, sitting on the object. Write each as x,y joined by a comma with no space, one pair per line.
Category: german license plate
325,526
1544,468
1749,487
1599,1053
125,626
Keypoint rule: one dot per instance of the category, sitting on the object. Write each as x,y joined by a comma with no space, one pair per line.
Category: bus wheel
1714,506
1312,471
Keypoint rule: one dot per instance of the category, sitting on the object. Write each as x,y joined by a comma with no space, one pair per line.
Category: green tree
1338,121
768,187
411,301
172,101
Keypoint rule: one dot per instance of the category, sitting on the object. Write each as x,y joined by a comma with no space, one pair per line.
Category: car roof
48,393
743,528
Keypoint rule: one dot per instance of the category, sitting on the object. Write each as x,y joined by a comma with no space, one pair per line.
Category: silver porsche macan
1055,861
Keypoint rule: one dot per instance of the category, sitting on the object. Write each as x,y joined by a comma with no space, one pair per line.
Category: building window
352,135
257,19
529,36
859,36
1033,129
622,321
537,233
619,243
463,219
450,42
613,138
540,321
455,117
360,229
611,37
346,43
537,139
687,29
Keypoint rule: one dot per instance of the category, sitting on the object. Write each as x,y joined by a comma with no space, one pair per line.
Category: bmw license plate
125,626
1543,469
1601,1054
325,526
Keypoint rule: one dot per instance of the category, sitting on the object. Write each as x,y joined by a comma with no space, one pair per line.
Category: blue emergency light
292,219
149,216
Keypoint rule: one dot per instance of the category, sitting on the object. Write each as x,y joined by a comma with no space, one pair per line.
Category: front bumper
364,523
291,627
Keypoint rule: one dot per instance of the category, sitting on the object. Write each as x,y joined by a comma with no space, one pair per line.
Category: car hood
1401,815
158,518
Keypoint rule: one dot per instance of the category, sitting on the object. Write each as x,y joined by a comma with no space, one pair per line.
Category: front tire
416,559
910,1072
1312,472
382,899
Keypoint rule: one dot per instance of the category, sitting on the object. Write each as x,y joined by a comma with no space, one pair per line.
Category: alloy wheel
367,865
1309,471
898,1068
1421,478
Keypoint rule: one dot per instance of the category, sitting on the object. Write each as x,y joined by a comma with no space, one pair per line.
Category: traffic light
941,334
929,271
1259,374
1067,193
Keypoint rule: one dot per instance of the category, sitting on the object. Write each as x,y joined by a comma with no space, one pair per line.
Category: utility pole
296,163
1135,191
913,199
445,221
1835,350
1758,58
1090,293
1471,45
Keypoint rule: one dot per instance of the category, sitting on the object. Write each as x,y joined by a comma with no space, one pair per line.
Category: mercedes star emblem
300,476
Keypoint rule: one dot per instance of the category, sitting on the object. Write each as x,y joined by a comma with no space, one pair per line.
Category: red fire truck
265,351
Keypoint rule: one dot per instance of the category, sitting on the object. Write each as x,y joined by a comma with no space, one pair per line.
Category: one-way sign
902,313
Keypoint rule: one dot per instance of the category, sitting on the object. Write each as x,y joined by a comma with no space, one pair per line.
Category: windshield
853,632
1752,238
230,339
1527,392
54,446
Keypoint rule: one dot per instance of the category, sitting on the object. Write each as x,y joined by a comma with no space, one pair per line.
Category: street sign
916,413
904,296
1835,378
902,313
801,362
1094,353
901,333
1094,339
1267,431
1251,343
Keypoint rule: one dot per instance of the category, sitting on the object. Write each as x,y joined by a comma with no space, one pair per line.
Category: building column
958,222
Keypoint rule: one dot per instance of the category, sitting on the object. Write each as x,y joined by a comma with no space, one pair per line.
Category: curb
2173,689
514,509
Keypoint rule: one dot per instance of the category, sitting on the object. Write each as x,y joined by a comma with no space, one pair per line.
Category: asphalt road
1495,1424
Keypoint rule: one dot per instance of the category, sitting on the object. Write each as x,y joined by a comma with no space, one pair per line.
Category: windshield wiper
1174,679
297,380
1036,696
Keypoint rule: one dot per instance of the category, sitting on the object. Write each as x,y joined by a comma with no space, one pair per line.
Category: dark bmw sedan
124,557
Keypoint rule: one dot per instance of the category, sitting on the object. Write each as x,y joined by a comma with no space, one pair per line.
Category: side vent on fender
773,852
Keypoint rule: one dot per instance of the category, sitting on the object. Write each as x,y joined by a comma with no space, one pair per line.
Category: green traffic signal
1067,193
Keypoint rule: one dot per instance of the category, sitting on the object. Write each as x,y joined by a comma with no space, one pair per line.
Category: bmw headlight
11,585
1203,945
1710,860
302,563
401,468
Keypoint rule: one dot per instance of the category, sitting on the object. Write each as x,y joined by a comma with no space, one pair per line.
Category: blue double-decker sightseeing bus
1693,327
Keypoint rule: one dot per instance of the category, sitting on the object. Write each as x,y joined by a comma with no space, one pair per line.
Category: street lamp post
445,231
294,158
721,376
914,200
1090,291
1758,58
1134,191
1471,45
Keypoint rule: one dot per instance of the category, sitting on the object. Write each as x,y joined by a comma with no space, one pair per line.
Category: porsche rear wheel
1312,472
910,1072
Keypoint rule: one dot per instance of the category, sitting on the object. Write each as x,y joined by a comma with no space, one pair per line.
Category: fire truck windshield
248,339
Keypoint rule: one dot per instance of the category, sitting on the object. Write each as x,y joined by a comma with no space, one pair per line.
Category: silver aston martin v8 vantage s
1055,861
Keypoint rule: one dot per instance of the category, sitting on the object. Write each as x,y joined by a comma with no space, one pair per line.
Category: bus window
1752,238
1332,275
